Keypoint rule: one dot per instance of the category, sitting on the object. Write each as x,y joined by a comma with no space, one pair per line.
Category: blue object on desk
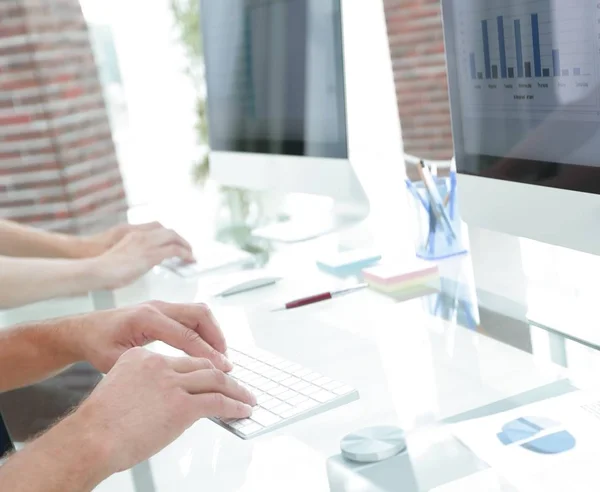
433,241
349,262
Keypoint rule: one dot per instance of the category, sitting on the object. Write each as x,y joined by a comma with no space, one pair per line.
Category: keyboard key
265,418
242,373
262,399
272,403
269,373
291,380
260,382
252,379
323,396
243,360
296,400
252,365
312,376
307,405
274,360
322,381
269,386
241,423
302,372
282,407
344,390
310,390
278,390
292,412
280,376
250,429
333,385
287,394
300,385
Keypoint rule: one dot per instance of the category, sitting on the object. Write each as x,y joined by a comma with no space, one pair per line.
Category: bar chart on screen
541,53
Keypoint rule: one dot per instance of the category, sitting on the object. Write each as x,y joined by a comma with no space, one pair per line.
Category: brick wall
417,48
58,167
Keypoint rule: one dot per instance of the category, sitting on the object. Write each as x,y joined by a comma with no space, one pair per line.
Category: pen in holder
439,228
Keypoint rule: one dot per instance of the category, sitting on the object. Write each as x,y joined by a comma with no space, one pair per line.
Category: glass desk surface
447,352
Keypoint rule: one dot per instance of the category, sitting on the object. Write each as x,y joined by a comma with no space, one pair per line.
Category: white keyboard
286,392
211,256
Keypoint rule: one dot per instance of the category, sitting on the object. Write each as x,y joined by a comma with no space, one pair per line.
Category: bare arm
71,457
27,242
26,280
33,352
108,433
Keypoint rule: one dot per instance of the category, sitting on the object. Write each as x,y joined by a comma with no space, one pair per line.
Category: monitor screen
275,77
524,78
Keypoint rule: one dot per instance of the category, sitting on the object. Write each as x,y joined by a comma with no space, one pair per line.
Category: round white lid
373,444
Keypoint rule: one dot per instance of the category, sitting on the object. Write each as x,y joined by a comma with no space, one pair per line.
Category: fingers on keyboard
284,390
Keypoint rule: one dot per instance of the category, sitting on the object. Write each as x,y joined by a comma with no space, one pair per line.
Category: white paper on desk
485,480
552,445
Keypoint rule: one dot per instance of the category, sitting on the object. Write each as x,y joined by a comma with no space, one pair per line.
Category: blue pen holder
436,238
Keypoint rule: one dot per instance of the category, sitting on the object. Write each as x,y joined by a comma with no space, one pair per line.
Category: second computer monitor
301,98
524,85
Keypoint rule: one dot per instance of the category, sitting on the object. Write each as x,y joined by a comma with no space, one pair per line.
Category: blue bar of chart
486,49
537,54
502,46
523,46
556,62
519,48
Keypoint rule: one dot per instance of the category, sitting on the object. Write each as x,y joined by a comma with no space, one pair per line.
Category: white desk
412,370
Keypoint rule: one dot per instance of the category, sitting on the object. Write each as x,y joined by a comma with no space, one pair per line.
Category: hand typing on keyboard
285,392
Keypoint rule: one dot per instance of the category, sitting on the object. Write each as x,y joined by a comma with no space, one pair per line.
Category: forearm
22,241
27,280
33,352
68,458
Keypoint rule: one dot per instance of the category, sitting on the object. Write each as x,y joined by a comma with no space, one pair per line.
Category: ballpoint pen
437,203
325,296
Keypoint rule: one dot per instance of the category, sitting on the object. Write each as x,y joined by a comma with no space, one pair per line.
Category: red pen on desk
325,296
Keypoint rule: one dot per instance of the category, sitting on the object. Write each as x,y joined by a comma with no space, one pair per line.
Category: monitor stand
311,218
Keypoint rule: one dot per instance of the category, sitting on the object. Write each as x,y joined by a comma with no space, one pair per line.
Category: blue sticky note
348,262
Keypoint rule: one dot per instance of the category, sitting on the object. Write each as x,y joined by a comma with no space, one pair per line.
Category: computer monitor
300,99
524,79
